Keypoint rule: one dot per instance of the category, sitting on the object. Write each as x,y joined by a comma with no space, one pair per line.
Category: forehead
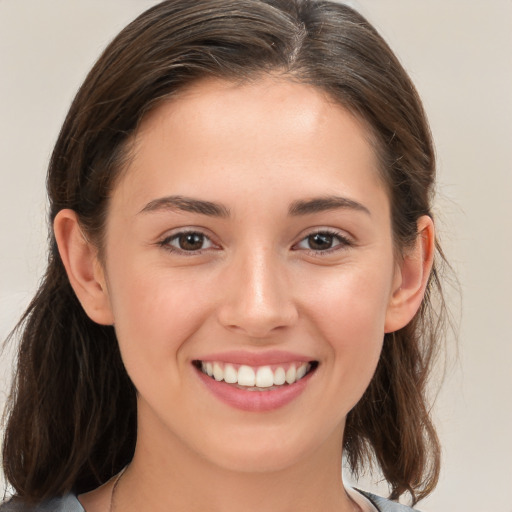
271,129
262,104
217,97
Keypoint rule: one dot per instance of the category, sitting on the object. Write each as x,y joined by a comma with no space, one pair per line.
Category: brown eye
190,241
320,241
323,242
187,241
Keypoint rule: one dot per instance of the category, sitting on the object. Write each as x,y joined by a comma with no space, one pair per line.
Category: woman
240,274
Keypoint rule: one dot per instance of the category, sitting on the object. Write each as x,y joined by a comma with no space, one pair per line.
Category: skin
256,285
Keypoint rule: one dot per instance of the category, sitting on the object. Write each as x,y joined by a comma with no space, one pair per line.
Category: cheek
351,303
350,312
154,314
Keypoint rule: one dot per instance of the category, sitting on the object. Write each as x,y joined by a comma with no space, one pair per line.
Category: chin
262,453
258,462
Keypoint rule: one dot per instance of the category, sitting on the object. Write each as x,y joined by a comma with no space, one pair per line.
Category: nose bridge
257,299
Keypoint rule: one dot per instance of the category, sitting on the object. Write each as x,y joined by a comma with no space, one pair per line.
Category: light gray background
459,53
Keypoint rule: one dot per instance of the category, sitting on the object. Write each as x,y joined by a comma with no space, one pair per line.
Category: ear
411,277
84,270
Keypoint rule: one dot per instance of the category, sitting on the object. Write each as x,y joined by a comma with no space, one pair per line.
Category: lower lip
255,401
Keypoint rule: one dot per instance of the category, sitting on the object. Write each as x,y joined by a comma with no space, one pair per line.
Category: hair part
72,408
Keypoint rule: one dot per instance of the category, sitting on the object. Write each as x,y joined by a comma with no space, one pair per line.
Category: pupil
191,241
320,241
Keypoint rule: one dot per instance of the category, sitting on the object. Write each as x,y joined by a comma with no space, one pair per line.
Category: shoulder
68,503
384,505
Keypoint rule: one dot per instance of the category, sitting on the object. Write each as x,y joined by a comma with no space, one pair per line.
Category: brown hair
72,409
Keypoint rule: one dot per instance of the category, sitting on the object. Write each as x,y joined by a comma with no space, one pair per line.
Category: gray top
70,503
384,505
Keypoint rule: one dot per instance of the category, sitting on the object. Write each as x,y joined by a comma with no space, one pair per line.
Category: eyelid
344,239
164,240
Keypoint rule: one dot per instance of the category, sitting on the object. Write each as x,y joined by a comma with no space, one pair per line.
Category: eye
323,241
187,241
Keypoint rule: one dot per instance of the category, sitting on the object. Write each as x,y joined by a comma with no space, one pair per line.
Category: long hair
72,410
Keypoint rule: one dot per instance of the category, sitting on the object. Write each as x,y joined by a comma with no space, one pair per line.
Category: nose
257,299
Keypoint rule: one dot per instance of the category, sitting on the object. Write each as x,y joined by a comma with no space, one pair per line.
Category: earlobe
412,278
85,272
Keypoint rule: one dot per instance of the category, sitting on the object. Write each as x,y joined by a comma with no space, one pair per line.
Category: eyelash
166,243
343,242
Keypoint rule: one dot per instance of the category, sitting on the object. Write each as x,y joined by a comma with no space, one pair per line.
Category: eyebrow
322,204
186,204
297,208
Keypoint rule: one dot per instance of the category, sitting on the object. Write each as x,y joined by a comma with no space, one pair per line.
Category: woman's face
249,237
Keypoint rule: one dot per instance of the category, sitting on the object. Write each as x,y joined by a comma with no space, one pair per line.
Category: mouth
256,378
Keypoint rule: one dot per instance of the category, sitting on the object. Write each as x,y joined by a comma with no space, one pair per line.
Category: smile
260,378
257,387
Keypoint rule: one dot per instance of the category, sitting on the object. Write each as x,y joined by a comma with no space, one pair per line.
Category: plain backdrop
459,53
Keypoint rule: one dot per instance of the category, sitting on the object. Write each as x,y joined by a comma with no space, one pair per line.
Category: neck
171,477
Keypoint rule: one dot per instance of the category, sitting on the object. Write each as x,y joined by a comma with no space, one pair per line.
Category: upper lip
256,358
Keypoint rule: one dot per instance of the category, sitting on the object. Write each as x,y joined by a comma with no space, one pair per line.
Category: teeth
291,374
261,377
230,374
264,377
218,372
301,371
279,376
246,376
